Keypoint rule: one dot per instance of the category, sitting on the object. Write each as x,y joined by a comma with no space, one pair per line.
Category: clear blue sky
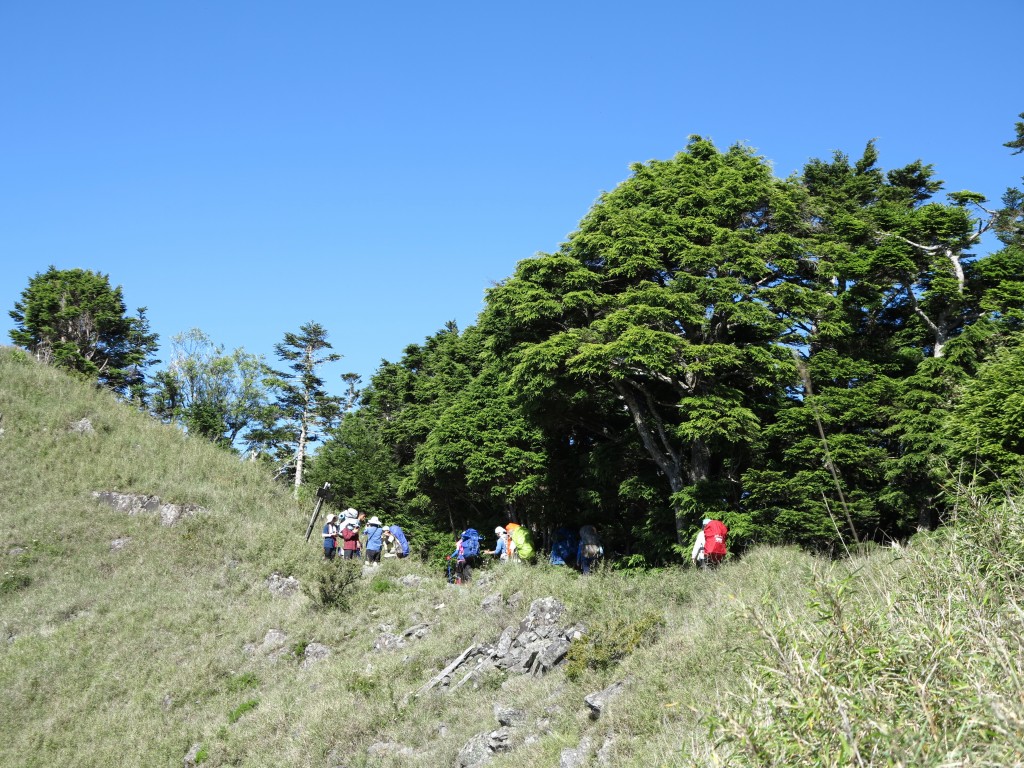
246,167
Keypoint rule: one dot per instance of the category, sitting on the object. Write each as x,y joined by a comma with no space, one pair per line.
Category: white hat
350,512
331,517
500,531
374,520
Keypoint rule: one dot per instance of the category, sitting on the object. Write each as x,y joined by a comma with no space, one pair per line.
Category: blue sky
246,167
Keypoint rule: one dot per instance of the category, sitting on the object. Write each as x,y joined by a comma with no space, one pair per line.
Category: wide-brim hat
331,517
374,520
500,531
350,512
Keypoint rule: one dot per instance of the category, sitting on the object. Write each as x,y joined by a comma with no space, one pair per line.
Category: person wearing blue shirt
330,534
374,540
501,550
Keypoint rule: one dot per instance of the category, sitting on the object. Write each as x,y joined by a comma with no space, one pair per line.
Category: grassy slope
130,657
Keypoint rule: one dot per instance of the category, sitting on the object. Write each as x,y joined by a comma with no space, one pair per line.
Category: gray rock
315,652
574,758
544,612
139,503
492,602
509,716
389,749
500,740
598,701
82,427
118,544
273,640
551,655
516,600
475,752
282,586
505,642
411,580
15,551
387,642
191,755
604,754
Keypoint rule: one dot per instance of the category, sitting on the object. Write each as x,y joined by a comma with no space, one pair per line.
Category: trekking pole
321,494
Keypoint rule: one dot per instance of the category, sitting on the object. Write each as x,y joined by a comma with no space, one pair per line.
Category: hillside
129,642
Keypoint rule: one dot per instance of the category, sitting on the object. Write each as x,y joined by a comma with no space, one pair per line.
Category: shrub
332,585
605,647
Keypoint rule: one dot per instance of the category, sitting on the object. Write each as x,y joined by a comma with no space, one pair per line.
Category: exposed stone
475,752
492,602
138,503
118,544
82,427
574,758
387,641
191,755
499,740
389,749
315,652
15,551
282,586
412,580
598,701
273,640
544,611
604,754
509,715
552,654
516,600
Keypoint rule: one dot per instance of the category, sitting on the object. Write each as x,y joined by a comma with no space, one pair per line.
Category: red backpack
715,533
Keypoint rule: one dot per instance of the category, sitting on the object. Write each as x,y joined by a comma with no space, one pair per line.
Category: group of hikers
353,534
370,539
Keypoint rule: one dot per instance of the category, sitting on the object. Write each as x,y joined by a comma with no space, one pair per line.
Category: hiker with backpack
564,547
395,543
709,549
374,540
520,542
330,535
350,538
590,549
466,555
501,549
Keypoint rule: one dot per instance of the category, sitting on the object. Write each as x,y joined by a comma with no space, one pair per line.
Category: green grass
133,656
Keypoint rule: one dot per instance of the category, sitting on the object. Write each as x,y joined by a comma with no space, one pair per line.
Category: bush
332,585
603,648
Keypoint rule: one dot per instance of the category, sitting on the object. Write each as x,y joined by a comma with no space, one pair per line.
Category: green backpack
523,540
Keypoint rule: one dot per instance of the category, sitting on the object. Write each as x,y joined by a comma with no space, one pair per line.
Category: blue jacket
374,537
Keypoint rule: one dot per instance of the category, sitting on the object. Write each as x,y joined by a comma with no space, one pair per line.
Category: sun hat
331,517
350,512
706,520
374,520
499,530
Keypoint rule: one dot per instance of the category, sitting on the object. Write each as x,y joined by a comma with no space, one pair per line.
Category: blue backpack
398,534
470,543
563,550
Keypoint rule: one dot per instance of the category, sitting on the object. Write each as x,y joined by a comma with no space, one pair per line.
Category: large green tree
214,394
76,320
660,299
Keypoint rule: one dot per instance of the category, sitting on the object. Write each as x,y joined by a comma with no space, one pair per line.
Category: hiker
350,538
500,550
395,543
563,547
374,540
466,555
589,549
330,534
520,542
709,549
